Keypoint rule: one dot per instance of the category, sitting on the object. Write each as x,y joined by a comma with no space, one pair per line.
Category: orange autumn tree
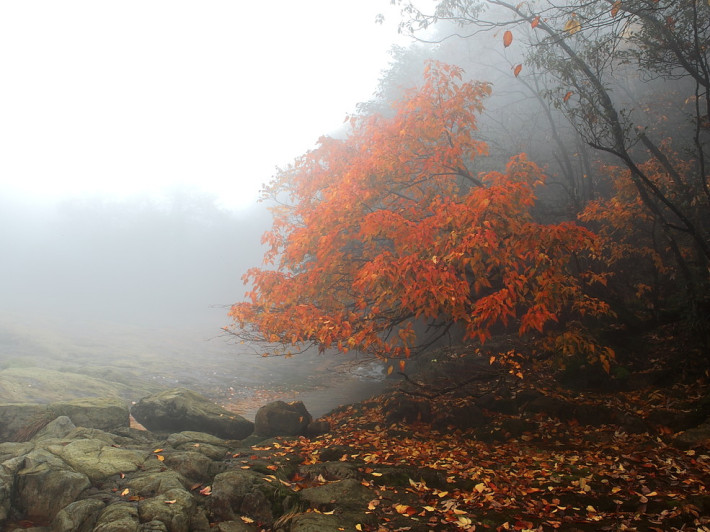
387,237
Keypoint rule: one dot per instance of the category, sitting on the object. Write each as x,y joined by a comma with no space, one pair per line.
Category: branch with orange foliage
390,228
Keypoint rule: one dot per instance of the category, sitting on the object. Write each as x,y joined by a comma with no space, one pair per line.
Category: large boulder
179,409
248,493
19,421
44,484
98,459
105,413
282,419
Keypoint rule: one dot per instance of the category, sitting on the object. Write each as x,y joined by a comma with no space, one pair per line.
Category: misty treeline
173,261
425,221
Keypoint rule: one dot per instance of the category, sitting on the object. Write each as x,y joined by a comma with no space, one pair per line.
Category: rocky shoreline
472,460
103,475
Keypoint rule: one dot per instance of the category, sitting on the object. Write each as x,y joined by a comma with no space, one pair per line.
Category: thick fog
172,261
106,296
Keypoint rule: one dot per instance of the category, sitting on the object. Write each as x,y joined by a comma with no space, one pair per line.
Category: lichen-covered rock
105,413
45,484
98,460
19,422
118,517
179,409
348,493
247,493
55,429
79,516
152,483
193,465
282,419
318,522
172,508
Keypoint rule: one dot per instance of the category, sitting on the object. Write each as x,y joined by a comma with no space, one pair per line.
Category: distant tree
387,233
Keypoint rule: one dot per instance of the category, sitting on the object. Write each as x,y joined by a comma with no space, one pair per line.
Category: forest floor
555,474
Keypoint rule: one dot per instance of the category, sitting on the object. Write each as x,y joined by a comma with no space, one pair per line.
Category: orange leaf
535,22
507,38
402,364
390,369
567,96
572,26
517,70
615,8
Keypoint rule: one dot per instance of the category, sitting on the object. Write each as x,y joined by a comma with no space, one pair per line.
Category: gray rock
45,484
179,409
235,526
19,422
154,526
191,437
79,516
153,483
247,493
313,522
194,466
105,413
348,493
172,508
55,429
282,419
98,460
118,517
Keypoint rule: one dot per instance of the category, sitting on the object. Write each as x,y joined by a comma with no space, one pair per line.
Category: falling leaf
572,26
517,70
160,457
125,492
173,501
536,21
567,96
246,519
507,38
390,369
207,490
402,364
358,526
